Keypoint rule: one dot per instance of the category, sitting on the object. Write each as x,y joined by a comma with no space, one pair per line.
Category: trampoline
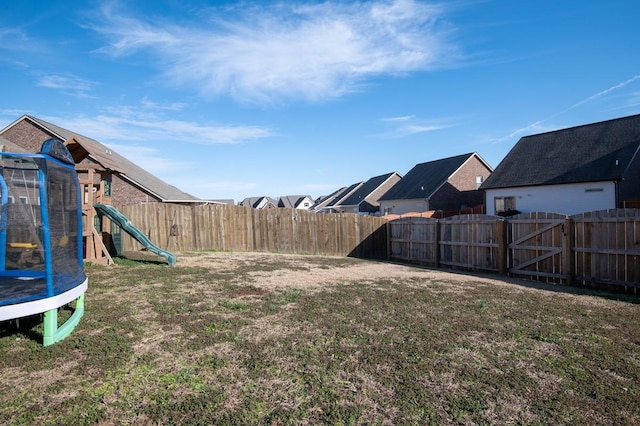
41,266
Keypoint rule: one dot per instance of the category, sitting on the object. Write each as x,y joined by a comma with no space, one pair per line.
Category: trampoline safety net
40,226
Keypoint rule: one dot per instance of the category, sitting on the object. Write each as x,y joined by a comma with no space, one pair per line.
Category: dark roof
111,160
323,200
365,190
594,152
347,191
424,179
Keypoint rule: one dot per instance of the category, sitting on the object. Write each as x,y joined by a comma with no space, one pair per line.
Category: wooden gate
414,239
536,245
470,242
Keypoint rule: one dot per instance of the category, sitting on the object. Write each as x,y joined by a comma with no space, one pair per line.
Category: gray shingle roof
322,201
111,160
338,198
593,152
365,190
424,179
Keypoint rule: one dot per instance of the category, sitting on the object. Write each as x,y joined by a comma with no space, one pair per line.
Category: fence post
436,248
568,233
501,239
194,228
388,231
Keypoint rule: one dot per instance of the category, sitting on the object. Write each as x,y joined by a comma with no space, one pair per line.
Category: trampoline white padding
34,307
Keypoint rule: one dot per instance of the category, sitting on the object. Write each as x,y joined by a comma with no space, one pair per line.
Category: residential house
584,168
303,202
364,200
329,205
105,177
447,184
123,181
8,146
227,201
261,202
323,200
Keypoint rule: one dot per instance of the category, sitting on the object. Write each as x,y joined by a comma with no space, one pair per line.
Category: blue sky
240,99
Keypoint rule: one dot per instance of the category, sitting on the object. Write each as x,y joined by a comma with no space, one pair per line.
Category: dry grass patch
256,338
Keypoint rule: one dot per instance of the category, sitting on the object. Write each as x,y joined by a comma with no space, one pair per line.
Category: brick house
446,184
121,180
328,204
105,177
365,198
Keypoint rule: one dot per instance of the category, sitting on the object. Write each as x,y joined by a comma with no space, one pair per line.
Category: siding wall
566,199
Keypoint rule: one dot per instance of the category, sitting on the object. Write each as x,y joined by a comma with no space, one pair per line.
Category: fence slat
594,247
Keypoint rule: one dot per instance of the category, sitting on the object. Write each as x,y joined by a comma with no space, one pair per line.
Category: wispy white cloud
66,83
278,52
539,126
408,125
14,39
119,128
136,132
398,119
603,93
153,160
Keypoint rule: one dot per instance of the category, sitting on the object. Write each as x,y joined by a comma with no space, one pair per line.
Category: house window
478,181
107,186
24,200
503,204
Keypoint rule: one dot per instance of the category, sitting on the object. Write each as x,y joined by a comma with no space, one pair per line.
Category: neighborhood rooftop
424,179
81,146
595,152
369,186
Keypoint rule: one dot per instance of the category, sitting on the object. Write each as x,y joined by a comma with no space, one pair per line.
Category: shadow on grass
28,327
609,292
137,258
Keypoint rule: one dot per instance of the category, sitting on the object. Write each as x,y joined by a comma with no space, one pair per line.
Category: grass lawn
232,338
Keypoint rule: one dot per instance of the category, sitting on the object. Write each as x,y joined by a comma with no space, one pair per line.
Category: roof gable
365,190
293,201
82,147
321,202
424,179
260,202
345,193
595,152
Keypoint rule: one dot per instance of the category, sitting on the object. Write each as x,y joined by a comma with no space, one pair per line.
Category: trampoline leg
52,333
50,327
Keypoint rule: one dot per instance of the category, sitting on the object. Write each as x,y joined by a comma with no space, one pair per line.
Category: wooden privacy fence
596,247
178,228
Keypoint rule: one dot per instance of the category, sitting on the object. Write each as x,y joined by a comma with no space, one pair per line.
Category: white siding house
404,206
579,169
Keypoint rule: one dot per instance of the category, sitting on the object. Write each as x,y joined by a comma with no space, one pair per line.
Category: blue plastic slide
126,225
